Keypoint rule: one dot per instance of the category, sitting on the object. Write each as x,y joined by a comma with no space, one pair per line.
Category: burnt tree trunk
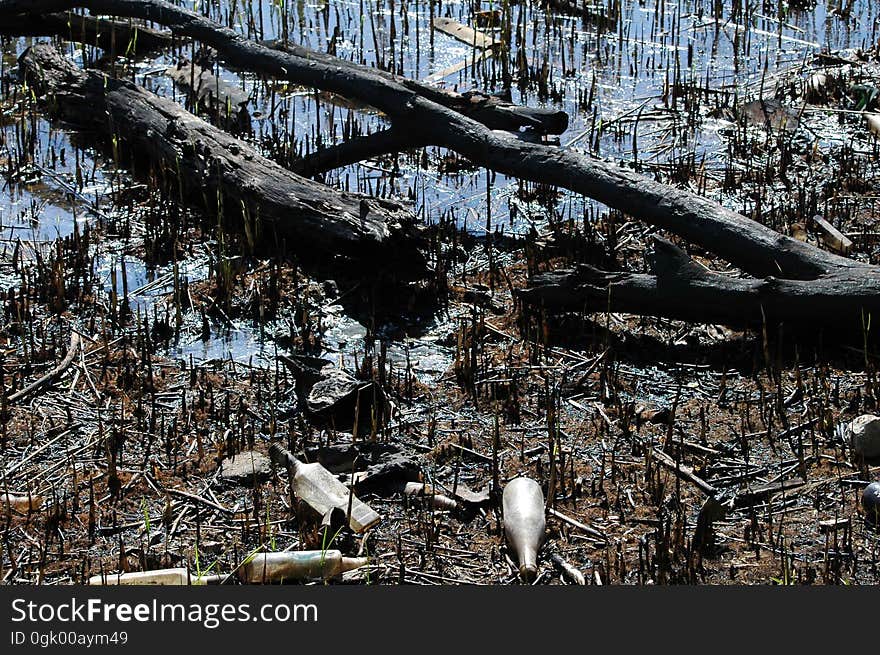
110,35
227,175
494,112
843,297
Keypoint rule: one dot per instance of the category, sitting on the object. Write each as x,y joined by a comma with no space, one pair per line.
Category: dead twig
51,375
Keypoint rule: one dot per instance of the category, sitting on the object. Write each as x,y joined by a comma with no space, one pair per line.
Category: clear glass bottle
297,565
175,576
20,503
323,491
524,523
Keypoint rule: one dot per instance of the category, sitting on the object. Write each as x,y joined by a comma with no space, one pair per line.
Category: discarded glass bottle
439,501
323,492
871,502
176,576
297,565
523,506
20,503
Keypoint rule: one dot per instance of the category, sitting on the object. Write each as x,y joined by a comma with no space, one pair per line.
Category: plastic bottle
323,491
297,565
523,506
176,576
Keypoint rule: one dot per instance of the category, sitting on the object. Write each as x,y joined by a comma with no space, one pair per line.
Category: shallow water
631,69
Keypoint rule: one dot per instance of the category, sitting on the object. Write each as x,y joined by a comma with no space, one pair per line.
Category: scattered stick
52,375
683,471
586,529
199,499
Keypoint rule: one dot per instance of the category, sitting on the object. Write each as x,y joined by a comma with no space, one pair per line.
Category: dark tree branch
359,148
745,243
679,288
105,34
491,111
209,165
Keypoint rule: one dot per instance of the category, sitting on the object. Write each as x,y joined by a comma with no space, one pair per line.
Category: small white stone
245,466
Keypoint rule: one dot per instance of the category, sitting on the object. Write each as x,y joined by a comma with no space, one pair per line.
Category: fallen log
753,247
842,296
109,35
823,286
492,111
286,60
207,163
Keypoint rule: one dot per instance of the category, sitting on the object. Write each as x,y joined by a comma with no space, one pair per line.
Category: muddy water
627,70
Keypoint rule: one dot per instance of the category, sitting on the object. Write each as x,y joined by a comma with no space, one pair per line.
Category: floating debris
464,33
